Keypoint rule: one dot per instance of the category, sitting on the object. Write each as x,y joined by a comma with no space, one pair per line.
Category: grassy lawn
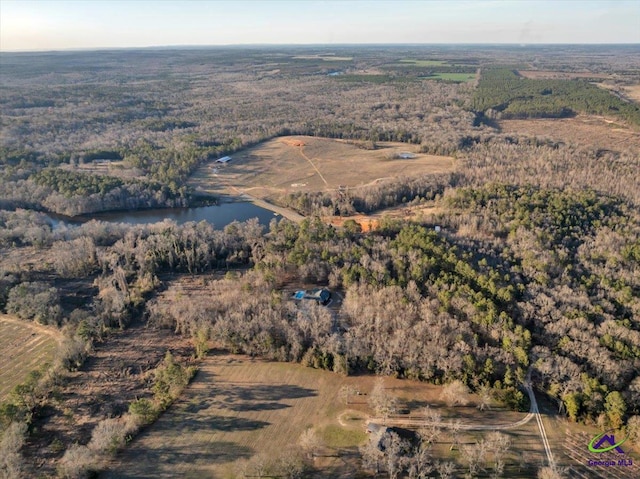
336,436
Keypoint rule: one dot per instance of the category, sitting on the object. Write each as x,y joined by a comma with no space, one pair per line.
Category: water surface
218,215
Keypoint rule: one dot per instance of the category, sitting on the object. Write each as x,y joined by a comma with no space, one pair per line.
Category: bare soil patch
292,142
372,222
367,222
25,346
303,163
583,130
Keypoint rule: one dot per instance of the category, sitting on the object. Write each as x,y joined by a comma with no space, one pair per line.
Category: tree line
503,91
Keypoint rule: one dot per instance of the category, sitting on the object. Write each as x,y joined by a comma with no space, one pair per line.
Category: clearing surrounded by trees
586,130
241,411
304,163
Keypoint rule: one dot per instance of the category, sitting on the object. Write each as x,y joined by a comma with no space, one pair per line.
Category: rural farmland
240,410
25,347
304,163
472,236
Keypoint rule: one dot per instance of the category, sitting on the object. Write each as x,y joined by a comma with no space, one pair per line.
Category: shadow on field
268,392
265,406
203,424
242,398
167,461
416,404
260,397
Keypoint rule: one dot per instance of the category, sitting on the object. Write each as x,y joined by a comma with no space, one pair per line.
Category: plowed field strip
25,347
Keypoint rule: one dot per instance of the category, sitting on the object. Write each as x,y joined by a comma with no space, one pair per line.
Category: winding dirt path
534,411
417,422
313,165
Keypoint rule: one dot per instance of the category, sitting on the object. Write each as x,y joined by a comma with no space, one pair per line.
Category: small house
319,295
224,159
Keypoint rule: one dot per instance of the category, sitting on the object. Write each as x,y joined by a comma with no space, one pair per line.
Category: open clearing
452,76
425,63
557,75
240,407
25,347
632,92
303,163
411,212
583,130
327,58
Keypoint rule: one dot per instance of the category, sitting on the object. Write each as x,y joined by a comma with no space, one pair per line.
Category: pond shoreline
218,210
284,212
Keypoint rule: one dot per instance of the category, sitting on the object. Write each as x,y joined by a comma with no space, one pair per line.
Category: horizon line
306,45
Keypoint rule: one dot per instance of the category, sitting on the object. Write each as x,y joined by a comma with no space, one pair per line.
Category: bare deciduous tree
345,392
381,401
445,469
76,462
11,442
290,464
310,442
551,473
485,395
455,393
372,456
394,451
420,463
454,431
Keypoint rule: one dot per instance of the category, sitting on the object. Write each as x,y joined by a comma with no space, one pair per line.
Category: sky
73,24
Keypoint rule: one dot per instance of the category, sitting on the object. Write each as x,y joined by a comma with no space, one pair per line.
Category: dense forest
529,262
503,92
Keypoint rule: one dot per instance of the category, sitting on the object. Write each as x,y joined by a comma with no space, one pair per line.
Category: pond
219,215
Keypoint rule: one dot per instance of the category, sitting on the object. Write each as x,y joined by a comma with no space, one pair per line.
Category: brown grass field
25,347
556,75
583,130
303,163
632,92
240,407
